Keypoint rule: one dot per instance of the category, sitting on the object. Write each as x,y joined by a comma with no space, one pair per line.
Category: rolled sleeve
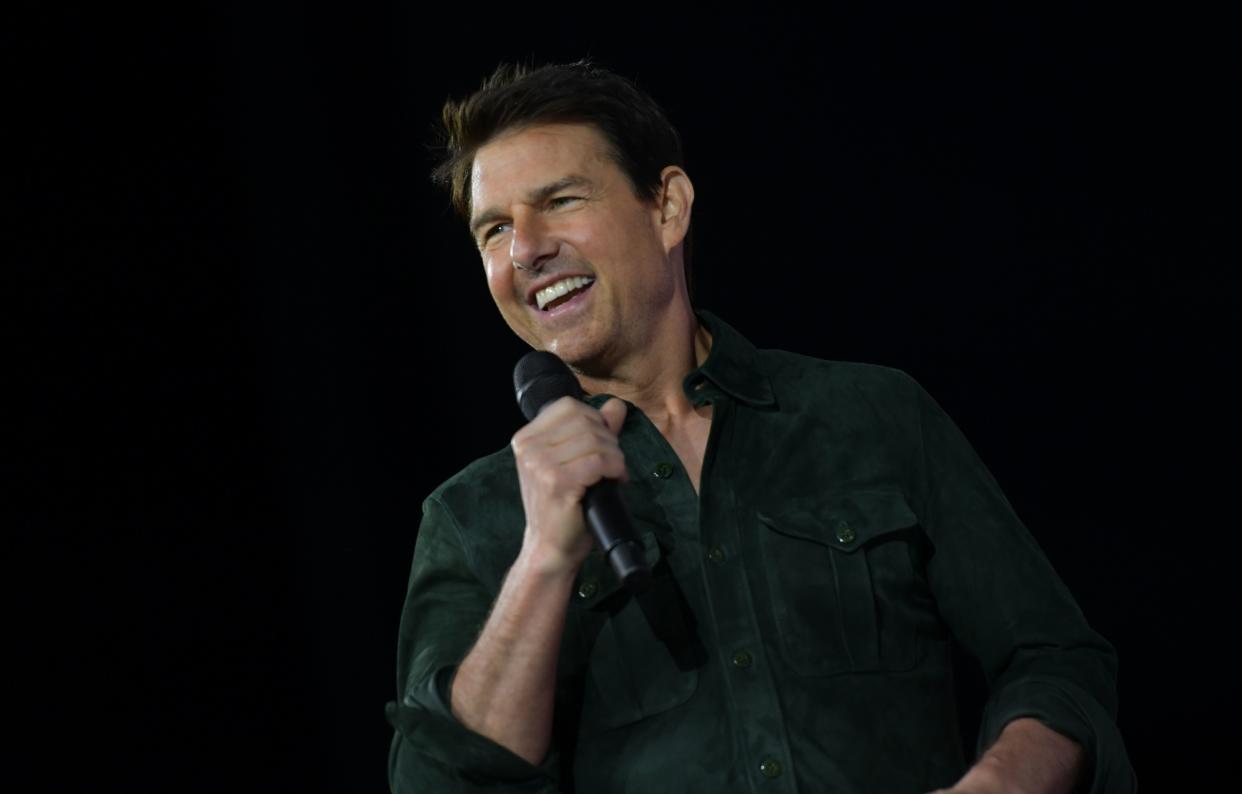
1070,711
1006,605
445,608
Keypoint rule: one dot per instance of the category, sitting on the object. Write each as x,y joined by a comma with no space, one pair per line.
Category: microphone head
539,378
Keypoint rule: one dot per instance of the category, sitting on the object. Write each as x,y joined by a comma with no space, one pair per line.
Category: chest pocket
845,583
641,652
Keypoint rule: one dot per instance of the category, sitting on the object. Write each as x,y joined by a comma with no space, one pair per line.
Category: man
819,533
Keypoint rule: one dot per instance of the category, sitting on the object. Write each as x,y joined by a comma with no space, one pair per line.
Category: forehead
530,156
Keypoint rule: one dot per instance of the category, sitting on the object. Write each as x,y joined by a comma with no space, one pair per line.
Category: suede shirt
798,629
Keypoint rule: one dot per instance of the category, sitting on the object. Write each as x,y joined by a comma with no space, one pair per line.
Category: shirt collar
732,366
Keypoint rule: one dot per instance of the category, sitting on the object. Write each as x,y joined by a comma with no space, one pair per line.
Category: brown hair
641,140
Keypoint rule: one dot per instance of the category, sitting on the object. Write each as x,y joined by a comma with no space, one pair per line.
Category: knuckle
532,462
549,478
520,447
606,438
562,405
520,440
584,465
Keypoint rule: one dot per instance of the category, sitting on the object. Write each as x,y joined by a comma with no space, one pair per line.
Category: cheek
499,278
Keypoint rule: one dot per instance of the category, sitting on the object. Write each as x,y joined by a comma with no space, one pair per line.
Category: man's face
576,262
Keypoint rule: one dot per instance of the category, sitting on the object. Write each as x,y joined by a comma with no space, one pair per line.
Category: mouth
562,291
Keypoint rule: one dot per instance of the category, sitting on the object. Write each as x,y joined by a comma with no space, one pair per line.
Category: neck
653,379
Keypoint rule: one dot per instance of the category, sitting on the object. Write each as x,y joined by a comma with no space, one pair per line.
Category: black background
247,336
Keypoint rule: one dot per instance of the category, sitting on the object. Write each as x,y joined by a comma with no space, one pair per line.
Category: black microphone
540,378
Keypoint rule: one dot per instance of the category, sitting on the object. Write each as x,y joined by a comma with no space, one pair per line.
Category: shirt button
663,470
716,554
742,659
846,534
770,767
588,589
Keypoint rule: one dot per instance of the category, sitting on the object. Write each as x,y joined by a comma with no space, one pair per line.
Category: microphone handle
609,522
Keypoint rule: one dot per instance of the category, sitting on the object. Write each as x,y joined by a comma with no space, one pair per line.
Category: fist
567,448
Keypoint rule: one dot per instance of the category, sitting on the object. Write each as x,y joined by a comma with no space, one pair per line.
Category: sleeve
445,607
1004,602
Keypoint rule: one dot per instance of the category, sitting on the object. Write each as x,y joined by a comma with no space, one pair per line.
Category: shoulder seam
461,541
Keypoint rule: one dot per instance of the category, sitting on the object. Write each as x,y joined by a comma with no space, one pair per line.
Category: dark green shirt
797,633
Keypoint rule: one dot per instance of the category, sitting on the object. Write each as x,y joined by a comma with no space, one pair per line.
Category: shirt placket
751,689
709,520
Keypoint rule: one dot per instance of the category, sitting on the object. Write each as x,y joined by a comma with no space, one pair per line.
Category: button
770,767
846,534
663,470
716,554
742,659
588,588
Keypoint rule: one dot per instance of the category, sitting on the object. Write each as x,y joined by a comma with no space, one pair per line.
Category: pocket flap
847,520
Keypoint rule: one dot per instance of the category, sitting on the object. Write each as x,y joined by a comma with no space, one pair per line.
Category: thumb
614,412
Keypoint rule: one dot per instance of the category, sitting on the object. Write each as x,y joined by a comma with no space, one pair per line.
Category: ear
676,199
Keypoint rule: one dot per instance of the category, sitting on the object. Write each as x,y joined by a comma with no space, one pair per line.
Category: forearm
1027,758
505,687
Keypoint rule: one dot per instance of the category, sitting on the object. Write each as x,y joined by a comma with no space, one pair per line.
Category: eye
488,234
561,201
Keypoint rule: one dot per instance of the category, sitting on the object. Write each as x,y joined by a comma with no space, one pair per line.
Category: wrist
549,562
988,776
1027,758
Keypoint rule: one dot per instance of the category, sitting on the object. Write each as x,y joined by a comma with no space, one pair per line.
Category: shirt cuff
1070,711
424,720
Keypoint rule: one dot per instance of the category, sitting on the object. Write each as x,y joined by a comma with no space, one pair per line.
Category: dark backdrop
248,336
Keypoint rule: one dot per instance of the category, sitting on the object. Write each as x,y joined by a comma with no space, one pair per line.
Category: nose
531,243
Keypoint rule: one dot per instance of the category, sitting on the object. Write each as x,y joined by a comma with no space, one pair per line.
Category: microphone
540,378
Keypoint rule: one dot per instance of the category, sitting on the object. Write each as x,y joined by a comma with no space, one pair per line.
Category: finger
555,425
574,432
559,406
590,442
613,413
591,468
562,413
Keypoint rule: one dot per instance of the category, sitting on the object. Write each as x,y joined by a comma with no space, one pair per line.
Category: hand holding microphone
569,463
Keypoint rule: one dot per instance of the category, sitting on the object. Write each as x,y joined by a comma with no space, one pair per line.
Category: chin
592,363
580,349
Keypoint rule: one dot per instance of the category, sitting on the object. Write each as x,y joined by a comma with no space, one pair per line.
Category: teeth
553,291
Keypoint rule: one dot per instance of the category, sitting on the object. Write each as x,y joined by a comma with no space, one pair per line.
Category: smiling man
578,263
819,533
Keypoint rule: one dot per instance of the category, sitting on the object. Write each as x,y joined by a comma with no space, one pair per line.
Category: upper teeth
553,291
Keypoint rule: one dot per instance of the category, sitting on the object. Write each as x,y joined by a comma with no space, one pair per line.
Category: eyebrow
536,196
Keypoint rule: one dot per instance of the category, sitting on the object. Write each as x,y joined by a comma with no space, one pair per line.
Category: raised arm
505,687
